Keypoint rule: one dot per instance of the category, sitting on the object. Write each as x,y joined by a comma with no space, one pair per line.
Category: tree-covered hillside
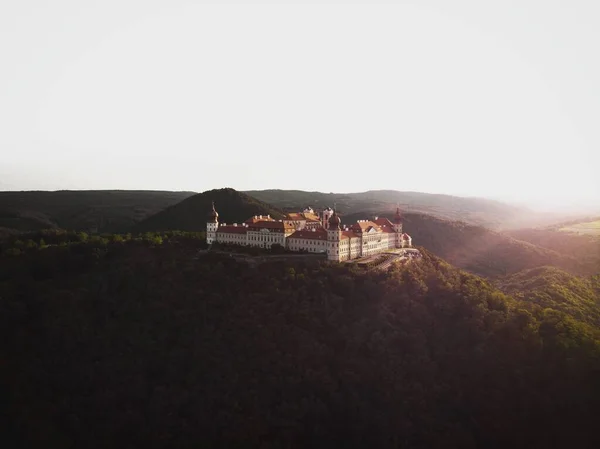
150,344
585,247
104,210
483,251
553,288
190,214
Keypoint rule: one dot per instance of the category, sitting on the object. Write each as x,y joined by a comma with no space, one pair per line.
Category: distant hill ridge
483,251
490,213
190,214
101,210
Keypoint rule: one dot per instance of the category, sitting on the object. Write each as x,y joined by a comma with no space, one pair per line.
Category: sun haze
493,99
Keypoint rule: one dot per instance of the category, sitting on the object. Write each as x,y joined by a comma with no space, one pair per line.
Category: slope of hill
130,345
585,247
104,210
479,211
549,287
190,214
480,250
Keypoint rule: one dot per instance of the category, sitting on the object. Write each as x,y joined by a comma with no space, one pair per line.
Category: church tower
397,225
334,235
212,225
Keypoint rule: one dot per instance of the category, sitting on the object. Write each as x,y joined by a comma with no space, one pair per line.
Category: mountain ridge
475,210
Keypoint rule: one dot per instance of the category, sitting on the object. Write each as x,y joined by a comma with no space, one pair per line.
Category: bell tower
334,234
212,224
397,226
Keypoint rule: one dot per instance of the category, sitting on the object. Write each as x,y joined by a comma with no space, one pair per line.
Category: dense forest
148,341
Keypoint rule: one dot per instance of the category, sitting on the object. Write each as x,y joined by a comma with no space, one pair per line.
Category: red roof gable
364,226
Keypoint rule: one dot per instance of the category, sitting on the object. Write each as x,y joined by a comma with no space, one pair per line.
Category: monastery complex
313,232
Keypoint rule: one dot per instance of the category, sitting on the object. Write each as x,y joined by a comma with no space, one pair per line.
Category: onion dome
213,215
398,216
334,221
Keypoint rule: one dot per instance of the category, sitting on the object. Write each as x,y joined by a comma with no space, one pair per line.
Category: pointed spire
398,216
213,215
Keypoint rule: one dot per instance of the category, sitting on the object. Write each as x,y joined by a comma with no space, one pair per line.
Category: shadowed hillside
190,214
480,250
479,211
104,210
148,344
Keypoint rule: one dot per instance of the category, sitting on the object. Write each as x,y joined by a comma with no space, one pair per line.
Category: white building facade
308,232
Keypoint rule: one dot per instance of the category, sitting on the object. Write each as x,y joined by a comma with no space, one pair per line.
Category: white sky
484,98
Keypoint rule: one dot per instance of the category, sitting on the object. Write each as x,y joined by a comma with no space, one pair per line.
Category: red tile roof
318,234
365,226
232,229
302,216
274,225
349,235
258,218
383,222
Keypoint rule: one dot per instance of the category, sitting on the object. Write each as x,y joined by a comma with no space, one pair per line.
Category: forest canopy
147,343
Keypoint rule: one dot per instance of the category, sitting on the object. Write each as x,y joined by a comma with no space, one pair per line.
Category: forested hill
586,247
191,214
82,210
142,344
479,211
552,288
485,252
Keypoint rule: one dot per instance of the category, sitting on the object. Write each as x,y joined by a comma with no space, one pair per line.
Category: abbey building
312,232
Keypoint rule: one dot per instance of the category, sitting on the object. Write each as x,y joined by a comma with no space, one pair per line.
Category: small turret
397,226
334,234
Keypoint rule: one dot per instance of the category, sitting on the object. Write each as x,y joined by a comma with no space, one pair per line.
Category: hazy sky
482,98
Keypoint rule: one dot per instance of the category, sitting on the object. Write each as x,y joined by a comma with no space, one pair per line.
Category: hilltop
472,247
149,344
479,211
190,214
101,210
